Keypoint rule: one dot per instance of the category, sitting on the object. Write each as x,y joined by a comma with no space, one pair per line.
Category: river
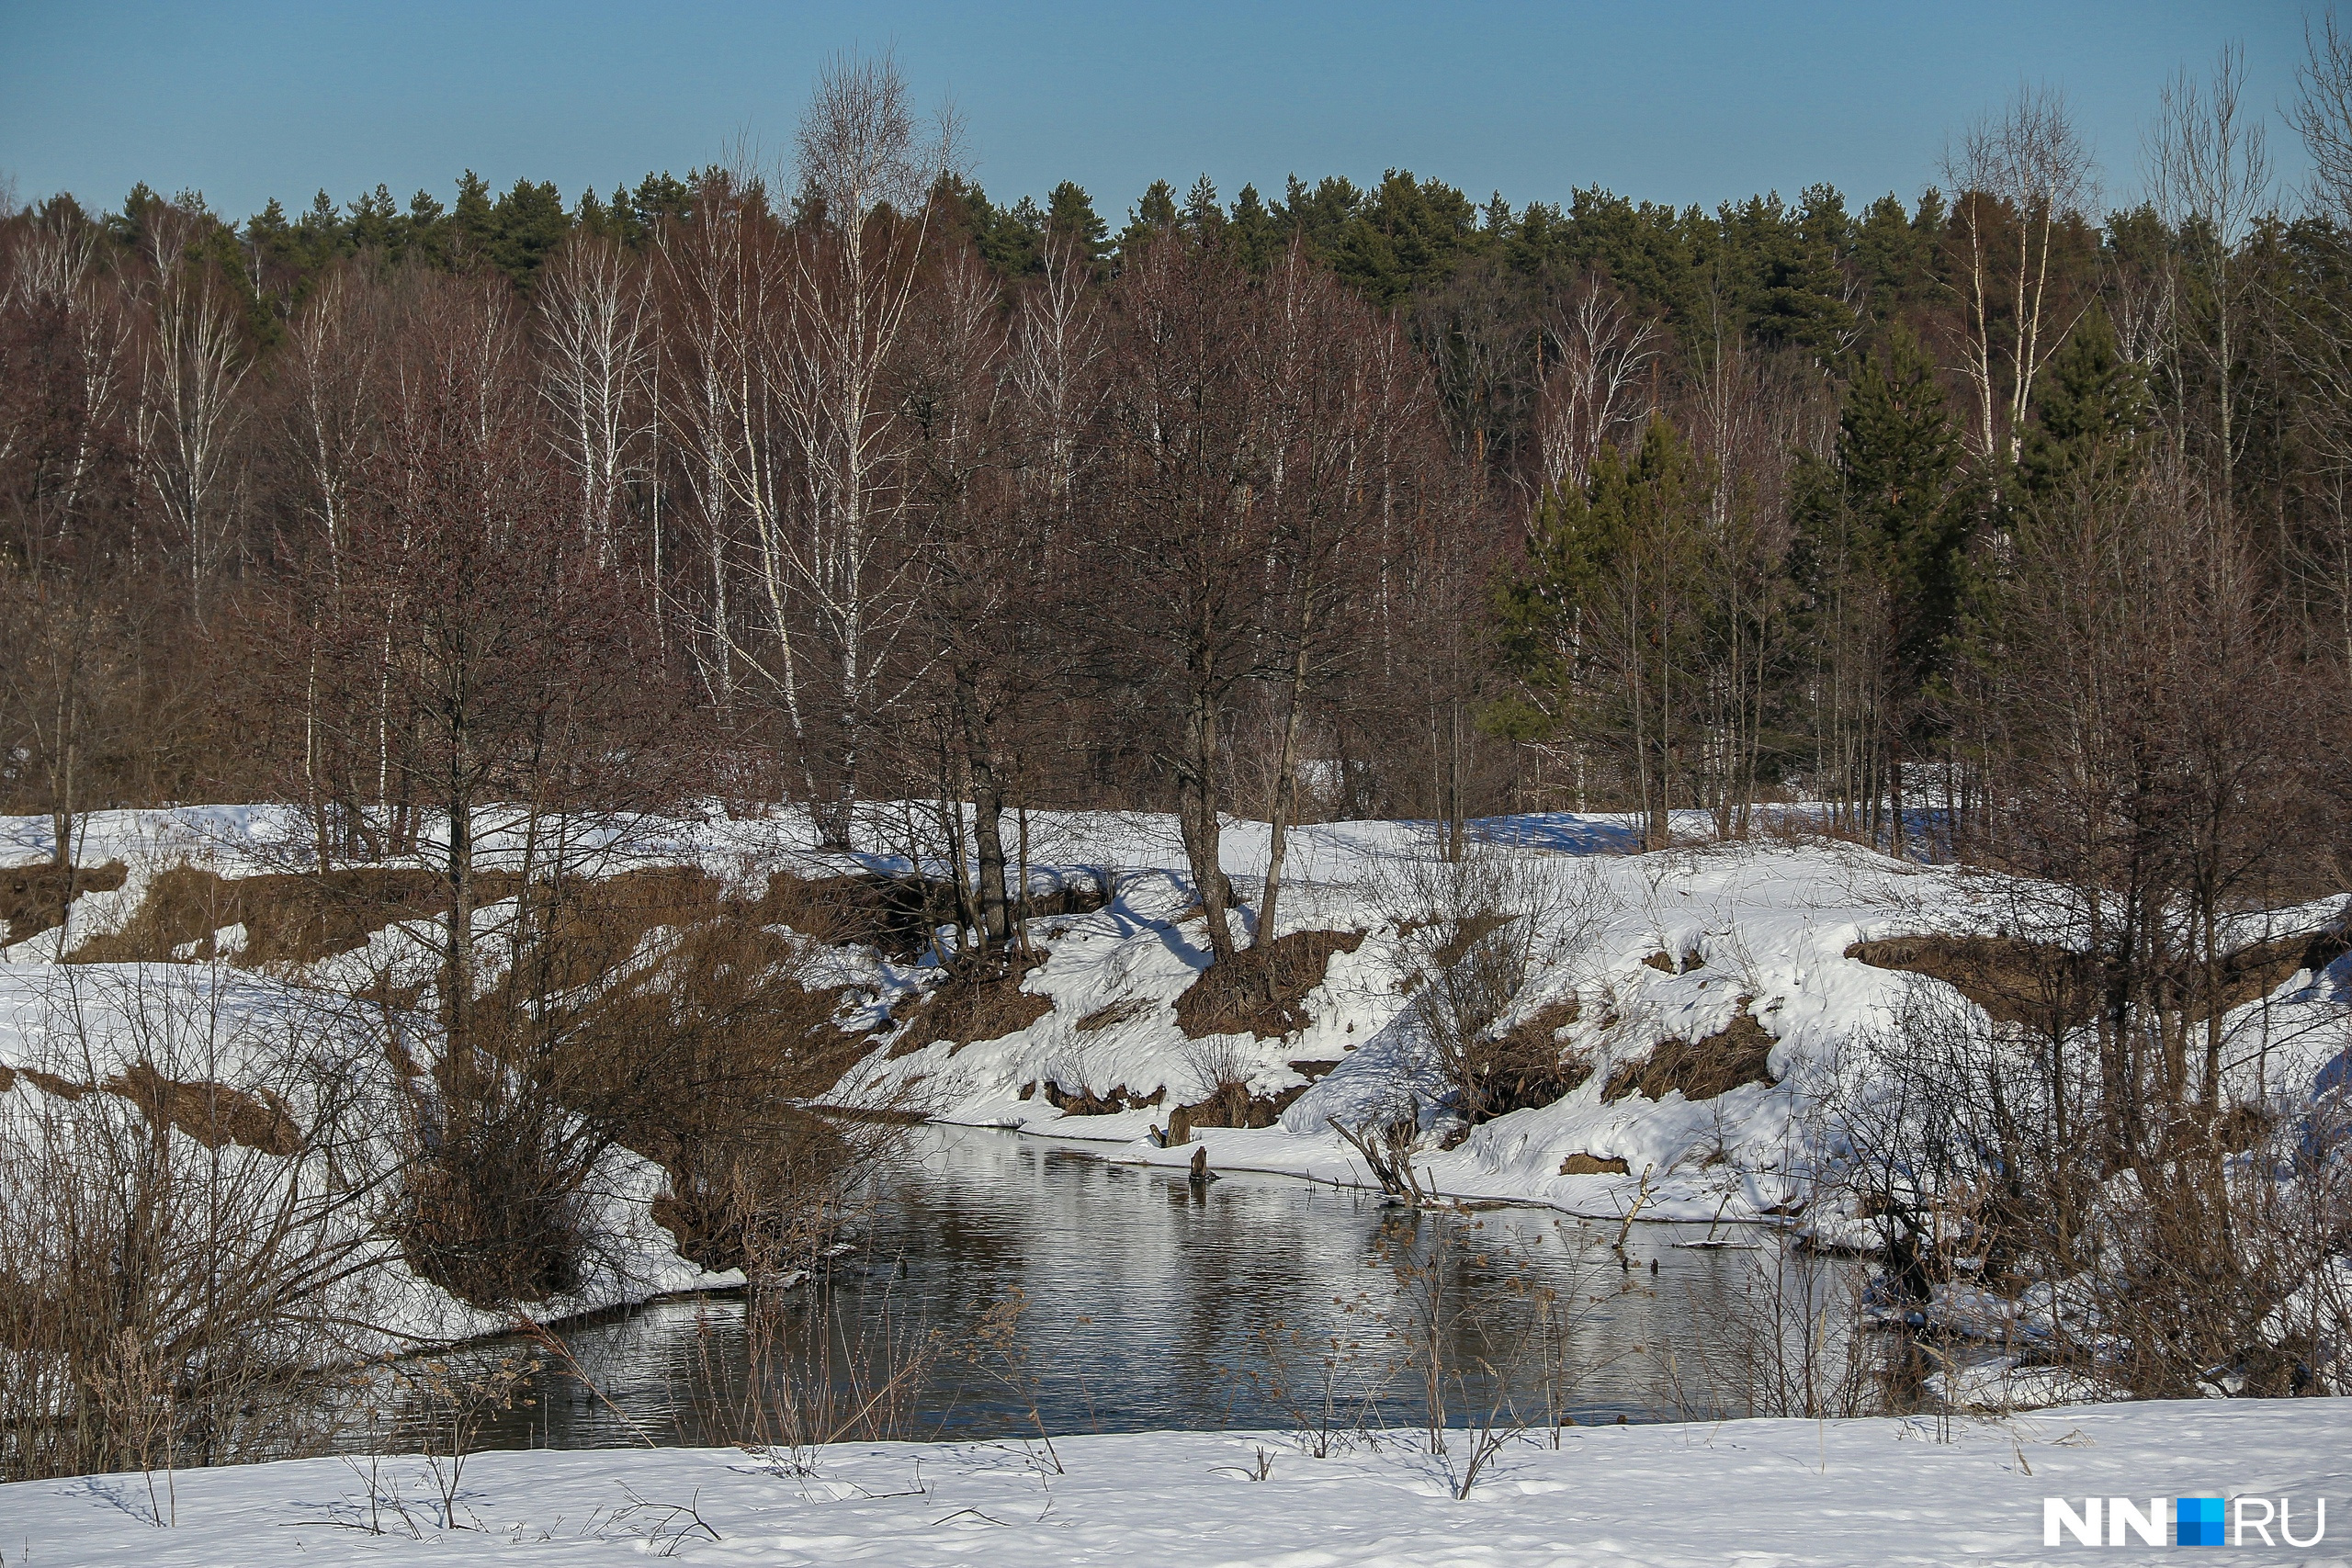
1147,1301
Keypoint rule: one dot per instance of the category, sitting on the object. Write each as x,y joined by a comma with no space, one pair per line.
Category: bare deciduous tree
2017,179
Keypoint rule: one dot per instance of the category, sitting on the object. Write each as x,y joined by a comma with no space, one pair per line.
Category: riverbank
1794,1493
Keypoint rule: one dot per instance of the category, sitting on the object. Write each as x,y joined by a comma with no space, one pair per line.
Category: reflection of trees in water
1145,1293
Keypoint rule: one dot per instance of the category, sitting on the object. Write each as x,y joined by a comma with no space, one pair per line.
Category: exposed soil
33,897
1262,990
1593,1165
1701,1070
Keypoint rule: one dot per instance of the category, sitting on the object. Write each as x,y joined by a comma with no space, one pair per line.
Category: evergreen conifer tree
1149,218
1071,220
2093,405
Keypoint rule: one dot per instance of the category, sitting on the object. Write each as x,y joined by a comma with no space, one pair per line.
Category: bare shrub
1475,932
495,1208
169,1288
2005,1221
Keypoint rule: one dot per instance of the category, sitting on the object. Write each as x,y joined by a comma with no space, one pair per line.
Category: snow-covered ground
1654,948
1867,1494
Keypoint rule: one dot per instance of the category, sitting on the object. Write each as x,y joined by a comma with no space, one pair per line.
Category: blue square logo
2197,1521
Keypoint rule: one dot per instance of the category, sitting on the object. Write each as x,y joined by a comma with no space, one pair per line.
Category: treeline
862,487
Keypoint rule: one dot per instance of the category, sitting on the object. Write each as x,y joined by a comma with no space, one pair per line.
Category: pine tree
1204,219
1601,627
1883,528
1254,233
424,232
472,228
660,198
1153,215
2093,405
529,222
1071,220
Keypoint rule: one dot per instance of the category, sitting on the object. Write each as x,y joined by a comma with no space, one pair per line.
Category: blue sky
1666,102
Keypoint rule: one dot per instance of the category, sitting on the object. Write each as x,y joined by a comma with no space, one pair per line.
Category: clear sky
244,100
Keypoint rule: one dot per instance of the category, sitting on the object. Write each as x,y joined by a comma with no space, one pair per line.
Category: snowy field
1766,1493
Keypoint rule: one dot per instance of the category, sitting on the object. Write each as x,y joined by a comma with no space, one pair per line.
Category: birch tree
2018,179
596,344
189,413
852,552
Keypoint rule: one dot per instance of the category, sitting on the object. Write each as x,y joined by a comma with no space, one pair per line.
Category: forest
850,484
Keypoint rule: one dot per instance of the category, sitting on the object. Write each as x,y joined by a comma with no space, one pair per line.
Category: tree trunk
1196,818
988,817
1284,803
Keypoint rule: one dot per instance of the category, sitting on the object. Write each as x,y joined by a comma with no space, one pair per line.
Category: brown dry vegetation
1262,988
2049,987
1084,1101
33,897
290,917
696,1049
965,1008
1125,1010
1701,1070
1231,1106
214,1114
1526,1065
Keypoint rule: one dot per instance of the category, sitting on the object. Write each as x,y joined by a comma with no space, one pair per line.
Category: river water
1146,1301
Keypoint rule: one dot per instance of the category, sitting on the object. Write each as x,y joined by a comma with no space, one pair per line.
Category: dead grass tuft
1700,1069
33,897
963,1010
214,1114
1262,990
1124,1011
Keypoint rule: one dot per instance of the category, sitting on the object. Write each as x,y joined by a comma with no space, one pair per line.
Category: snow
1788,1493
1759,928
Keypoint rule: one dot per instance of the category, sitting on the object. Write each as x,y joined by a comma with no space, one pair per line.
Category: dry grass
1232,1105
214,1114
2050,988
1083,1100
1700,1069
962,1011
2038,984
1124,1011
289,917
1525,1066
1262,990
166,1301
33,897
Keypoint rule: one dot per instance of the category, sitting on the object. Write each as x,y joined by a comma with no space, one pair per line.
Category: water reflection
1154,1303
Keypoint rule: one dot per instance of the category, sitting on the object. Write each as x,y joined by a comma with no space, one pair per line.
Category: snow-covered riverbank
1720,1003
1865,1493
